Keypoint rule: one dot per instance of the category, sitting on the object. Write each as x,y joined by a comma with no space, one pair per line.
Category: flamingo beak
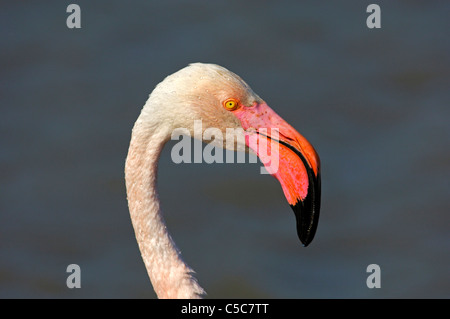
290,158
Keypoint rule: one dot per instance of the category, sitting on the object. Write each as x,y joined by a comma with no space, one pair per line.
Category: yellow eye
231,104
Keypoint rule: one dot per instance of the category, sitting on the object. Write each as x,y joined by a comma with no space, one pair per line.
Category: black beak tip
305,241
307,214
306,223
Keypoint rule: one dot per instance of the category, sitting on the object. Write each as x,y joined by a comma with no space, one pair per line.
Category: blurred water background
374,102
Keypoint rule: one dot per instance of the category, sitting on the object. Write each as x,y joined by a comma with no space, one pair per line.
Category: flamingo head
223,100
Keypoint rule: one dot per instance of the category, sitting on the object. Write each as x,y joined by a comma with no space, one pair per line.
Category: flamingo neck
171,277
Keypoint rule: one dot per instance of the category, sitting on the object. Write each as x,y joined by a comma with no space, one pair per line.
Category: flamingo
221,99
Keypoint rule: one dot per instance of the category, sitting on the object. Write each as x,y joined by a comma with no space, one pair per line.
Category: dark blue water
374,103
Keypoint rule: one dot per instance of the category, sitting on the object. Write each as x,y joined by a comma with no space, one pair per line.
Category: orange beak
290,158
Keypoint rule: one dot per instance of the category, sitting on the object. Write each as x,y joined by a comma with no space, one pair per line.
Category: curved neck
171,277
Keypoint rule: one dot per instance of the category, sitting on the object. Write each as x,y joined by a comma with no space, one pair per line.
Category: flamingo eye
231,104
